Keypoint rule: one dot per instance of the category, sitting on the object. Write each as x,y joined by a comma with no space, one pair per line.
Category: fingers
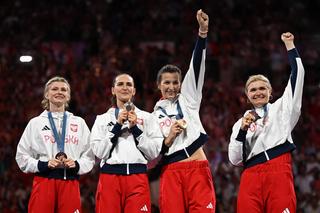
202,17
123,116
132,115
287,36
69,163
132,118
249,116
176,128
288,39
203,21
54,163
246,121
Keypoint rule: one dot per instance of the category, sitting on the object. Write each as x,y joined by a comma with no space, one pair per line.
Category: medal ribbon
60,140
178,116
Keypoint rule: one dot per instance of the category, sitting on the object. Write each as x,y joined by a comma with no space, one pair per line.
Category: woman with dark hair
261,141
124,138
55,147
186,183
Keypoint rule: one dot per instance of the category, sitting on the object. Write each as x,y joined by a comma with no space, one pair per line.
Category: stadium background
88,42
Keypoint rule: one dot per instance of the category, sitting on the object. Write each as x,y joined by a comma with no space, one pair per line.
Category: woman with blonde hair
261,141
55,148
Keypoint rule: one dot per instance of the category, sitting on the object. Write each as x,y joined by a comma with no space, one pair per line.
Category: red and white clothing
187,187
124,152
265,146
186,106
37,146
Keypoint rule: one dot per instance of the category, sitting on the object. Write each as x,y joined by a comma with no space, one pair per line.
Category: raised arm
288,39
194,79
203,21
293,94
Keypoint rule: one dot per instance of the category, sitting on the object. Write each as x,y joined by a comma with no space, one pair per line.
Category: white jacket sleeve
26,161
297,87
150,141
100,139
193,81
291,99
87,159
235,146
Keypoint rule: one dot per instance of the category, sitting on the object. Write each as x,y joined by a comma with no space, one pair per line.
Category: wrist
203,33
168,141
203,30
289,46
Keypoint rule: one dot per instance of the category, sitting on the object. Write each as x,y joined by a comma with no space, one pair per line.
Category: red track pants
187,187
123,194
54,196
268,187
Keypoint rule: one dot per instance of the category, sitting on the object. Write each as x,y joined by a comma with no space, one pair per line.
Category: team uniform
186,186
265,150
124,152
55,190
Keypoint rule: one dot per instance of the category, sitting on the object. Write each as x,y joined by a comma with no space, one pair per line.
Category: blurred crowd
88,42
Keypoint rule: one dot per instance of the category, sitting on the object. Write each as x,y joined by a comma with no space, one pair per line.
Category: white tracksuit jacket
136,146
272,137
37,143
189,100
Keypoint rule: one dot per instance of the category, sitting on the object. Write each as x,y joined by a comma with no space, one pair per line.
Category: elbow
96,152
234,160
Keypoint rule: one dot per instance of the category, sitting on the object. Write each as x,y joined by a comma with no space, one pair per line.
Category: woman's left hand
132,118
69,163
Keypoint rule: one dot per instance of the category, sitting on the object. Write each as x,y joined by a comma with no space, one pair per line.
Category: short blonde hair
254,78
45,101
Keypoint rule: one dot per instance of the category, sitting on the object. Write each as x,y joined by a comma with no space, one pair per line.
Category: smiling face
58,94
169,85
258,93
123,89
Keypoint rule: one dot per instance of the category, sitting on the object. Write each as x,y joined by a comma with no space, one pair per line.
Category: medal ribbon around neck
178,116
253,140
265,113
60,140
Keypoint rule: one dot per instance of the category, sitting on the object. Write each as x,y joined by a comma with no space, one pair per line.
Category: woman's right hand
122,117
246,121
175,130
55,163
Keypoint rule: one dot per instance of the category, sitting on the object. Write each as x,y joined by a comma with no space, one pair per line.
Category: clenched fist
288,39
203,20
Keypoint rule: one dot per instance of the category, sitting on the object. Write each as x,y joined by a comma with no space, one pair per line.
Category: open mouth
259,97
